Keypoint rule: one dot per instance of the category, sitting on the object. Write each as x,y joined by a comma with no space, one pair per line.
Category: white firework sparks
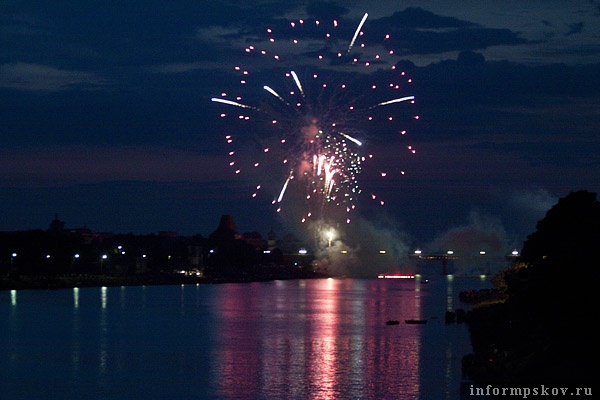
313,122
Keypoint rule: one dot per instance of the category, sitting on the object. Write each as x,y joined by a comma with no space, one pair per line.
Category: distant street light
104,257
75,258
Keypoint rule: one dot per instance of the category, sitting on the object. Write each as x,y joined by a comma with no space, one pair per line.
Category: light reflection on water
317,339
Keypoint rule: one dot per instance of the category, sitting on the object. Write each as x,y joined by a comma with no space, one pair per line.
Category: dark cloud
418,31
107,120
326,10
418,18
575,28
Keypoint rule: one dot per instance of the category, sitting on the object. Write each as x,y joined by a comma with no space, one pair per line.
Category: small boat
395,276
392,322
415,321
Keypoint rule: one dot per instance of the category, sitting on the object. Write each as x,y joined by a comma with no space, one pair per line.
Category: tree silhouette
544,331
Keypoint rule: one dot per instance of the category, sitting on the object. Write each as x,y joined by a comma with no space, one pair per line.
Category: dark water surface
298,339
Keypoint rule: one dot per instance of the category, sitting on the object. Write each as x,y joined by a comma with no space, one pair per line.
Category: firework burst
312,95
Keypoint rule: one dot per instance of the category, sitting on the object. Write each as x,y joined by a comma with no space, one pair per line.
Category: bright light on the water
103,296
76,297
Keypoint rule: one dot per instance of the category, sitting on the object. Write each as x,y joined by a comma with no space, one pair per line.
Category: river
293,339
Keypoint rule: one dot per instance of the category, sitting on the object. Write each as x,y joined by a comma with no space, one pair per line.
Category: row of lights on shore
481,252
417,252
302,251
77,256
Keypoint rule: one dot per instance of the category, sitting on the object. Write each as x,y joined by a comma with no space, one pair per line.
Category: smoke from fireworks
312,97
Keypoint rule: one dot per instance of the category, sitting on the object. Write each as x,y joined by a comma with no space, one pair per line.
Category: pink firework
309,102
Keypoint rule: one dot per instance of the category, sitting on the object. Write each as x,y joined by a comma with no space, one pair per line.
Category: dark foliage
546,329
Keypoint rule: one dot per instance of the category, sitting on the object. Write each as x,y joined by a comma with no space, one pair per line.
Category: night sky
106,118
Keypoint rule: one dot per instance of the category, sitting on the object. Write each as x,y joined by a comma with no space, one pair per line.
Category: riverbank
70,281
23,282
513,345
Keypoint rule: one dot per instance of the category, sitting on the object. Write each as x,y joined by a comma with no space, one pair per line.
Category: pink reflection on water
322,347
318,339
238,362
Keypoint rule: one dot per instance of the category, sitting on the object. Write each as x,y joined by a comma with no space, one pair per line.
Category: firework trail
312,119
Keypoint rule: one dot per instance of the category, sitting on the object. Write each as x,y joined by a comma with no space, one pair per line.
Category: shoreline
38,282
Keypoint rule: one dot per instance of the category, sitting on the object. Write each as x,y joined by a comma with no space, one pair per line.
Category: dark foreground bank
544,330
